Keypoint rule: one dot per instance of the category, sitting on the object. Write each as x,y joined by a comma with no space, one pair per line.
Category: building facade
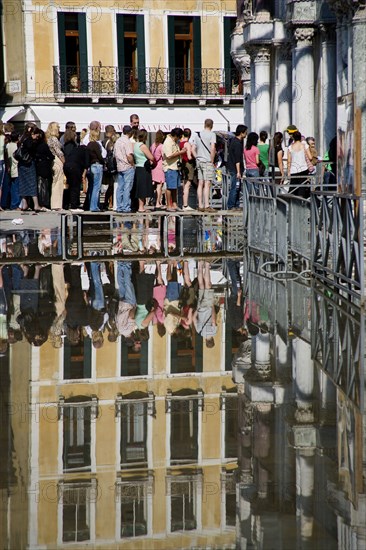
170,65
301,60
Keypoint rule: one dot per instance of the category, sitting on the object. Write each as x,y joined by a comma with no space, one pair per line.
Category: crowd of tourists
43,171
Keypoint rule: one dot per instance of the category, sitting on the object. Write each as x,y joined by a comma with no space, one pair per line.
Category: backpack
110,162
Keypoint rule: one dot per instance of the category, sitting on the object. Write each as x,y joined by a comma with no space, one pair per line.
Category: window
133,411
229,404
73,70
183,408
131,53
134,495
184,42
228,491
183,490
76,415
76,501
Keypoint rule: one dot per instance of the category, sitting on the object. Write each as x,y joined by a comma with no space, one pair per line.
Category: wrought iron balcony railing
152,81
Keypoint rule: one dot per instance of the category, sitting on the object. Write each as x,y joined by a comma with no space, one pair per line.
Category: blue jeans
14,193
96,181
252,173
125,286
125,183
234,193
96,289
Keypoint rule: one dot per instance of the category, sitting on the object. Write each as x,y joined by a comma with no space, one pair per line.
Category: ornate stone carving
346,8
304,35
247,12
259,54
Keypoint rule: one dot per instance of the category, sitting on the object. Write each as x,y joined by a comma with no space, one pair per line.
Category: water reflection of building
121,446
302,451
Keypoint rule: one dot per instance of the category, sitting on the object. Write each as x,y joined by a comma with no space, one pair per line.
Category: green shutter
198,350
141,62
61,85
87,357
197,58
121,53
83,53
227,57
171,53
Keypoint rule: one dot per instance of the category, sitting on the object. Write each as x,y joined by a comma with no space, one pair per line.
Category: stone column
359,79
304,380
303,81
260,89
328,95
283,86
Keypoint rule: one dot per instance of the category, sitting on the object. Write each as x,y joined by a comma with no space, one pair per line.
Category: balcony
152,84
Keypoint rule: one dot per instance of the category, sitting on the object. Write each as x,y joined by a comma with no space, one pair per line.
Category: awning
6,113
151,118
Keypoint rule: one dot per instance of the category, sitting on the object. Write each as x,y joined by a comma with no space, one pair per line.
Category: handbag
22,156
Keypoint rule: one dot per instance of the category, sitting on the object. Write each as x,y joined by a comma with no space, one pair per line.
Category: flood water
158,394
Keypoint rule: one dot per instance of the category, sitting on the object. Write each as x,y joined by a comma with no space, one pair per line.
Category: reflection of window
76,415
183,408
133,496
186,352
77,359
183,492
134,358
76,501
229,404
228,491
133,411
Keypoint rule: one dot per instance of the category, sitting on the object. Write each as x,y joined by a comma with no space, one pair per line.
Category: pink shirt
250,157
157,173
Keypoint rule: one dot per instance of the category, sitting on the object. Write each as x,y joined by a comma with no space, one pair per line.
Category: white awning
6,113
151,118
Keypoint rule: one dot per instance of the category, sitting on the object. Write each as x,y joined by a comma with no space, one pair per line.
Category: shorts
172,179
206,298
205,171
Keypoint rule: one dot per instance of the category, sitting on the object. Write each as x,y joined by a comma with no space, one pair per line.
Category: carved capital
304,35
259,55
346,8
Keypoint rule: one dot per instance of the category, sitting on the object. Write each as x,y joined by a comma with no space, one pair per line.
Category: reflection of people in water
204,317
235,302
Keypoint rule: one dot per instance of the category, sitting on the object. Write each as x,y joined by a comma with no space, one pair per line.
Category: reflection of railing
153,81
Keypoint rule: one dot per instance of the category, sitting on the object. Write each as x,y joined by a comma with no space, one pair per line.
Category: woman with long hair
297,165
251,156
144,161
188,164
278,156
57,190
96,169
27,171
44,161
157,173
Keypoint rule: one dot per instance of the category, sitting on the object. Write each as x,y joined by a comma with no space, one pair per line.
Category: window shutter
171,53
121,53
197,57
61,52
83,53
227,57
141,62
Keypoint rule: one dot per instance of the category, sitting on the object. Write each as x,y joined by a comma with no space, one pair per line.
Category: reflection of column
282,117
260,89
303,81
304,497
328,118
304,380
262,353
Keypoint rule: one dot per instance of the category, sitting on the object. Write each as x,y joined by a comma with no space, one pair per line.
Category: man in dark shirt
235,165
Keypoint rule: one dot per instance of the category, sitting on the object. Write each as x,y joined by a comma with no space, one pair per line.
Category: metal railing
152,81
